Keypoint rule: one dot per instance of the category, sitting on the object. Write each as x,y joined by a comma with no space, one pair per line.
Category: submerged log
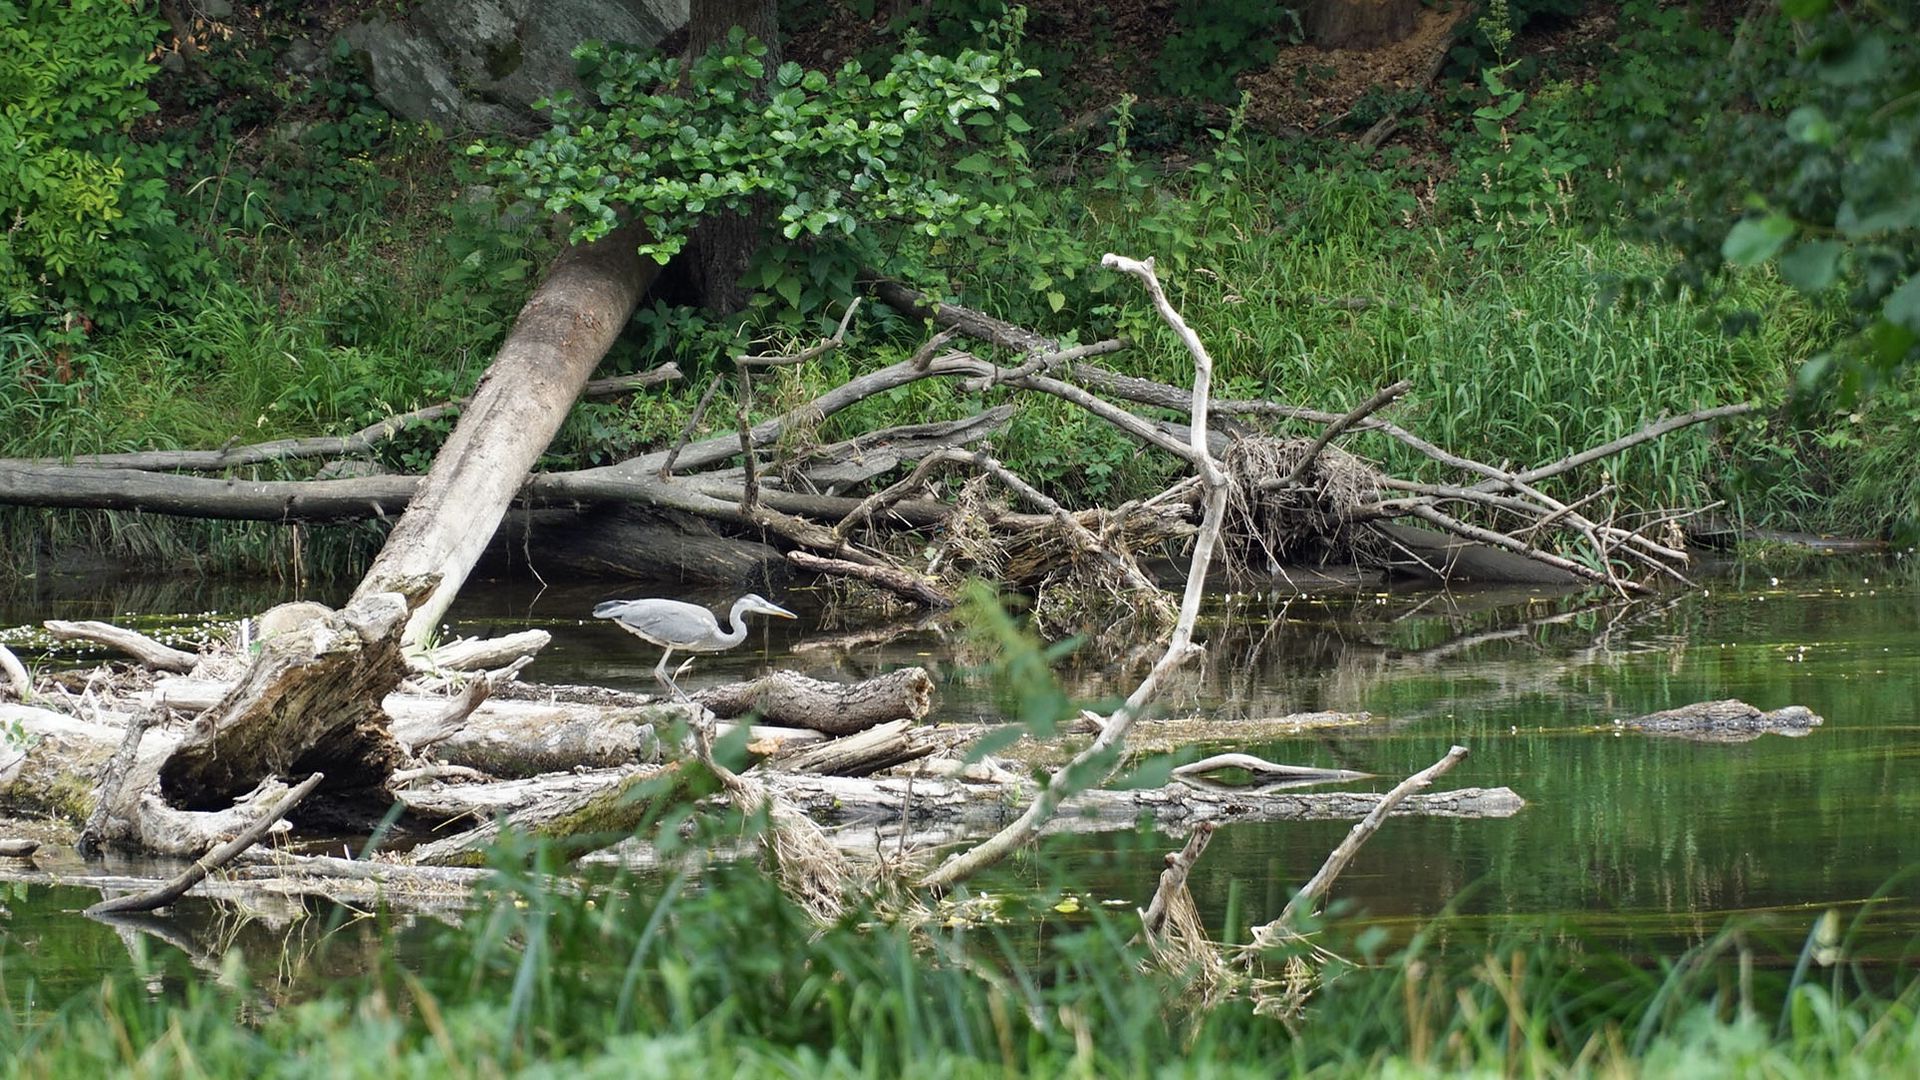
1728,721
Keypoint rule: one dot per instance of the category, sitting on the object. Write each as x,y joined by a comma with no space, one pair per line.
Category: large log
310,702
532,383
786,697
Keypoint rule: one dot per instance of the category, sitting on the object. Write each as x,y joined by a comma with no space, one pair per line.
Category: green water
1641,843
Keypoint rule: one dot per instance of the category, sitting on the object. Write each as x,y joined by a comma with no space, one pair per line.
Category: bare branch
212,860
1308,898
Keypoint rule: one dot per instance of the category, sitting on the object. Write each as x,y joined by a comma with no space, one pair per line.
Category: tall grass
718,975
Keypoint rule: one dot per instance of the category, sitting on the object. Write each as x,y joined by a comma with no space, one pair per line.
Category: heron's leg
666,680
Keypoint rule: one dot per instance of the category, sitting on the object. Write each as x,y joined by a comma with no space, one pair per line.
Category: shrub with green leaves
87,229
833,155
1801,155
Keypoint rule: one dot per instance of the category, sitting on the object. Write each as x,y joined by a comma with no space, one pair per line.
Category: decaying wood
11,848
212,860
970,808
1173,880
107,794
135,644
1729,721
477,654
573,823
1099,758
866,752
786,697
310,702
1267,935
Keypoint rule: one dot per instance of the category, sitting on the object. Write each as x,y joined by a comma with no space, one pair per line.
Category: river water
1644,844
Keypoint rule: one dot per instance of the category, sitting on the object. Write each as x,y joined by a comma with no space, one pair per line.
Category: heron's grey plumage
676,624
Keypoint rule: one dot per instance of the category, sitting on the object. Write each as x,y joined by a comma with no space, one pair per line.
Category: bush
89,234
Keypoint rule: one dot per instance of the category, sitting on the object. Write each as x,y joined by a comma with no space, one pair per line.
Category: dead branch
900,582
107,792
137,645
212,860
356,444
1174,878
1378,401
1264,771
821,348
1267,935
1097,760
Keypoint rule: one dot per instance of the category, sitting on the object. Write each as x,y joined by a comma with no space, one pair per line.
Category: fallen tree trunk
532,383
786,697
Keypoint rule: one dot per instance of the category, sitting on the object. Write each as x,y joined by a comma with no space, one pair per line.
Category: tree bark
558,338
722,246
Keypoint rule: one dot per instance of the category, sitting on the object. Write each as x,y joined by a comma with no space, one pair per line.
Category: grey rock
471,65
215,10
303,57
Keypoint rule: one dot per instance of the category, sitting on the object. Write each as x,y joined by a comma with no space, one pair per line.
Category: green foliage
1214,41
88,231
1799,155
832,155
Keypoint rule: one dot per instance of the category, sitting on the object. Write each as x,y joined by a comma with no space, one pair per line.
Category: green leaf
1812,266
1903,305
789,289
1858,61
973,164
1056,300
1755,240
1807,124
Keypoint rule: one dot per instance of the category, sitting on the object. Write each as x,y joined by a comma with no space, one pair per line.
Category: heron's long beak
776,609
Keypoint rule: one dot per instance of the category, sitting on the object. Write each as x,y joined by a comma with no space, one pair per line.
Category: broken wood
135,644
900,582
786,697
310,702
107,794
212,860
477,654
571,823
19,683
873,750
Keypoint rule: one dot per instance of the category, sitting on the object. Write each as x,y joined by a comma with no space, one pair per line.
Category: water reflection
1640,840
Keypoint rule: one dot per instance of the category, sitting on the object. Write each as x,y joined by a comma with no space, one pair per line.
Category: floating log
864,753
1728,721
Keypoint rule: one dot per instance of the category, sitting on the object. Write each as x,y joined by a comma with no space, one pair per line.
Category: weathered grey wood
135,644
575,822
213,860
1263,770
19,683
786,697
557,339
478,654
310,702
18,849
864,753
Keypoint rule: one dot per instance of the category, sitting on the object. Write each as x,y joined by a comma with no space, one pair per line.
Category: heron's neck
739,620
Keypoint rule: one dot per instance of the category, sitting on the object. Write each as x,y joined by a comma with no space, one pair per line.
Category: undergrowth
716,973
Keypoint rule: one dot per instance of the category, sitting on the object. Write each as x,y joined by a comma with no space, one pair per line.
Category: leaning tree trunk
560,335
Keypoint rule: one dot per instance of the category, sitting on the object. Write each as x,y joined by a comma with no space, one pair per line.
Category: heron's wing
664,622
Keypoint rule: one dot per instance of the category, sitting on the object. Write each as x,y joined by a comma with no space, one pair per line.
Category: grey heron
675,624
